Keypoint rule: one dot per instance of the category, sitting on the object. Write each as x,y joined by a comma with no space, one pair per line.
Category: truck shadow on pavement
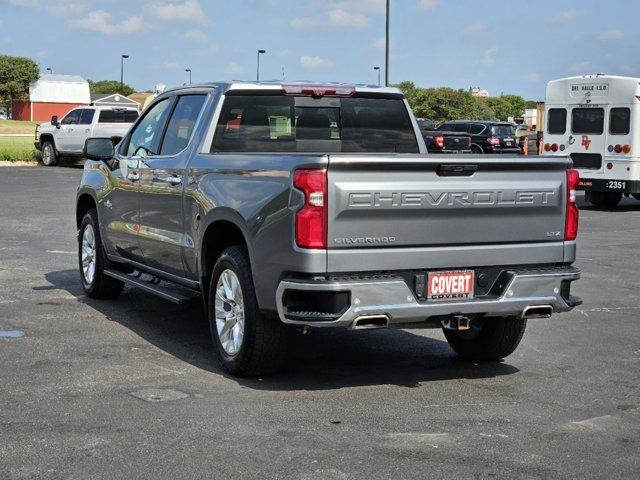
322,360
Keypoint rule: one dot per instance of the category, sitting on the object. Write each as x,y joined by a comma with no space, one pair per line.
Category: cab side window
71,118
182,123
145,138
86,116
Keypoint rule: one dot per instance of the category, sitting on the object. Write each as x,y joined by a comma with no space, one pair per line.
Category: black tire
477,150
264,345
488,338
101,286
604,199
49,156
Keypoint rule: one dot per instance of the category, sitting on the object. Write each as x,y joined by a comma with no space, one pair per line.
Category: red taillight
311,220
554,147
493,141
571,222
609,166
618,148
439,141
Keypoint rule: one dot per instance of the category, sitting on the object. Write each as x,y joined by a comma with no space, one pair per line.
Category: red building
52,95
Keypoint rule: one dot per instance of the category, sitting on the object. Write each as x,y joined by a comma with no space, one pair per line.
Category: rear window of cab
557,123
620,121
587,120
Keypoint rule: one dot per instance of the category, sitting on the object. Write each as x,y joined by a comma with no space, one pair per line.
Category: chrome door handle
133,176
174,180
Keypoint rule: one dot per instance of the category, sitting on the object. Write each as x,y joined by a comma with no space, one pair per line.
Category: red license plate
450,285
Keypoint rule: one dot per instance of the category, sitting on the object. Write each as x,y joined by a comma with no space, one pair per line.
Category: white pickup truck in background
65,138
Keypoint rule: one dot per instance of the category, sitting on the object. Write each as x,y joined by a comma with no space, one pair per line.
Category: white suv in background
65,138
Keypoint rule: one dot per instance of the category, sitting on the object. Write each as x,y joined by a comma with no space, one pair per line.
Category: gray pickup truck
298,206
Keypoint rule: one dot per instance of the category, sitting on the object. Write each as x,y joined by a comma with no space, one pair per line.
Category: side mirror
54,121
100,149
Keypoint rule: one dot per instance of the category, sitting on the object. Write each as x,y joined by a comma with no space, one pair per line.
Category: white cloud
188,11
102,22
67,9
565,16
303,23
286,53
610,35
233,69
476,29
167,65
342,18
195,35
380,43
22,3
488,57
308,61
426,5
582,67
532,77
368,7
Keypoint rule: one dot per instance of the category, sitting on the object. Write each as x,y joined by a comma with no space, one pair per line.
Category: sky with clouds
500,45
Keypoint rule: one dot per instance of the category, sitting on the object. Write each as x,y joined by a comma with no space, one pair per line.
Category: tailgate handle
456,170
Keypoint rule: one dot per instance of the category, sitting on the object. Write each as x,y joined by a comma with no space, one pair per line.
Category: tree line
443,104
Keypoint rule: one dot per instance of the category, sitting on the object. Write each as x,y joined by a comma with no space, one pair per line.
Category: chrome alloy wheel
229,312
47,154
88,254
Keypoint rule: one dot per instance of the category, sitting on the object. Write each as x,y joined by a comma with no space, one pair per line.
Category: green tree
507,106
16,74
110,86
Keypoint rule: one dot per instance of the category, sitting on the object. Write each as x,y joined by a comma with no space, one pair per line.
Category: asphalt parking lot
130,388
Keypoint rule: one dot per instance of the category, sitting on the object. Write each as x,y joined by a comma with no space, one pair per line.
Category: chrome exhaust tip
369,322
537,311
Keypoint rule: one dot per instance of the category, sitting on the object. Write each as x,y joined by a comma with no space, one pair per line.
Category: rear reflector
311,219
573,215
319,90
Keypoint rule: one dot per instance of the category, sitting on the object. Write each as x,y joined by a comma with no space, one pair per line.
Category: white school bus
595,119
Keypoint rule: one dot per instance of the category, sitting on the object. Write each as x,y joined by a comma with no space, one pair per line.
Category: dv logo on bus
586,142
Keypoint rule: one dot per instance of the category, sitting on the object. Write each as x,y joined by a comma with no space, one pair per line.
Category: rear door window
278,123
182,123
476,129
557,122
460,127
619,121
503,131
587,120
86,116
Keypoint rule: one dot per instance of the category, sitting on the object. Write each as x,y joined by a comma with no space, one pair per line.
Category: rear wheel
93,261
604,199
247,342
476,149
488,338
49,157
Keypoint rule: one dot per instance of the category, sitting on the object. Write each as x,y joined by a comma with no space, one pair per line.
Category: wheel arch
84,203
48,137
221,232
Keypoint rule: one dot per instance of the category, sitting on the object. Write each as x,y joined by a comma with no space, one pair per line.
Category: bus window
619,121
557,121
587,120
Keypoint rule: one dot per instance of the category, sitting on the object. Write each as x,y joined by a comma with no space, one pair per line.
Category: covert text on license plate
450,285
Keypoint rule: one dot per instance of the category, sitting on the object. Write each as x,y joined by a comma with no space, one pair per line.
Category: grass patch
18,149
17,126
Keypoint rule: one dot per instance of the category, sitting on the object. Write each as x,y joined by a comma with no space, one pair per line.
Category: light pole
386,51
258,69
122,58
378,70
189,71
48,69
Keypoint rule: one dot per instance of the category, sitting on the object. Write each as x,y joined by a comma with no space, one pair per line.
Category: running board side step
178,297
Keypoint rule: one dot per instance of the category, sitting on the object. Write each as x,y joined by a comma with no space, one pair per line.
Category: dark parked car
486,136
439,141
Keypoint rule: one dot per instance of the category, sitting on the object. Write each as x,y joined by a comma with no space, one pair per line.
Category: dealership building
52,95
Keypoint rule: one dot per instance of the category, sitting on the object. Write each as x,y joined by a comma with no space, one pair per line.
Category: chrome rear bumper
391,297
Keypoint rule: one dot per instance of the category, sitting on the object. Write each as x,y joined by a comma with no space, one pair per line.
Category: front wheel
49,157
93,261
490,338
604,199
247,342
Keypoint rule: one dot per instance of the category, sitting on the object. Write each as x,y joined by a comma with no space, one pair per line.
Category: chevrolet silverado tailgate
411,211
